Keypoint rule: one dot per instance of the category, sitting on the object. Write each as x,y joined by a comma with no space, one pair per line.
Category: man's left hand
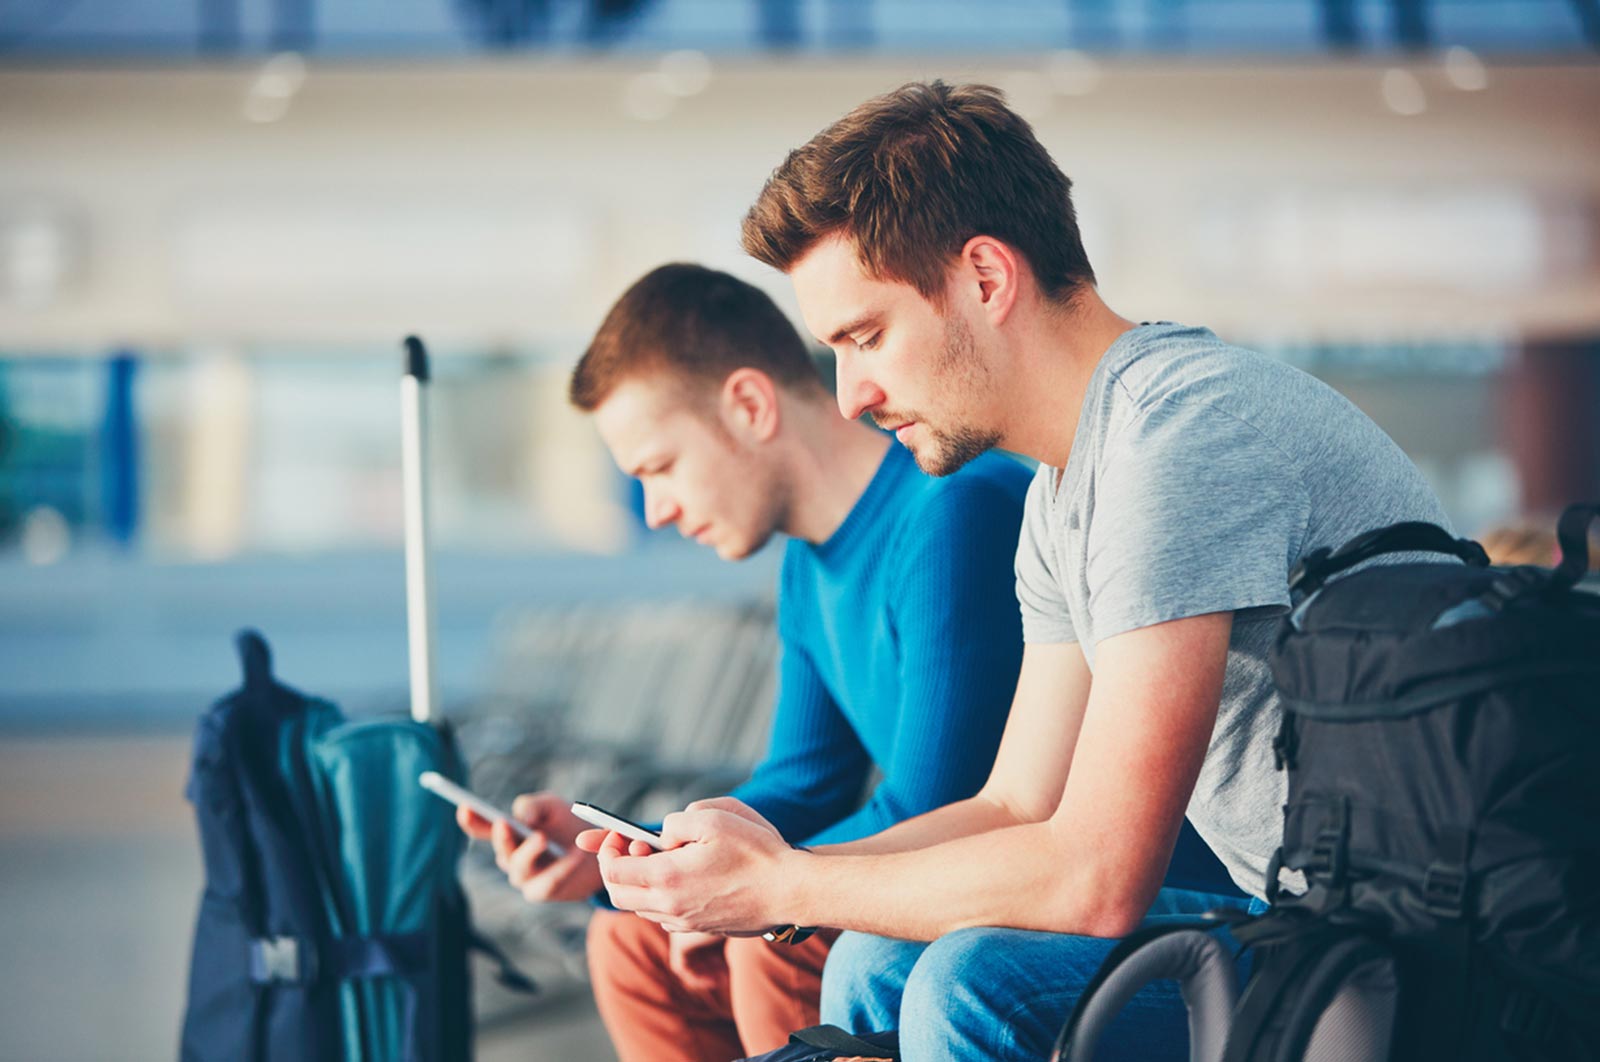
722,871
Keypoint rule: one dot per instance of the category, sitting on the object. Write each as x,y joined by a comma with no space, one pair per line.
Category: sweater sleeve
960,634
815,767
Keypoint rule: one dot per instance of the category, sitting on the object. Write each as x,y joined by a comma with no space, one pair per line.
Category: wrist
789,899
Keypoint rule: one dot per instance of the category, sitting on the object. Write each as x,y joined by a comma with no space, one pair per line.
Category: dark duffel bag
1437,893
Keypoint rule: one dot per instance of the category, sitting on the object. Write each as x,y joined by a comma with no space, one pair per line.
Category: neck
1057,350
831,462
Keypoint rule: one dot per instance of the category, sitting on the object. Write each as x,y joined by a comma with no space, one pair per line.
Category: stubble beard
959,371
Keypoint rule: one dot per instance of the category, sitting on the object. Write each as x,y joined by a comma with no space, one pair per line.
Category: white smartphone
440,786
603,818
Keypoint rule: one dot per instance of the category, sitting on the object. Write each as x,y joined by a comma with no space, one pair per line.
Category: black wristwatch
790,934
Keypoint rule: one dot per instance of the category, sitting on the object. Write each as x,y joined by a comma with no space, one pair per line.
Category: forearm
1026,876
1096,863
961,819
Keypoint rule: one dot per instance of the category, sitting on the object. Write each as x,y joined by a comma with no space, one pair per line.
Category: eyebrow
859,323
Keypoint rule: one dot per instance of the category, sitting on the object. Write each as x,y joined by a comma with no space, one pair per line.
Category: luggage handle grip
1413,536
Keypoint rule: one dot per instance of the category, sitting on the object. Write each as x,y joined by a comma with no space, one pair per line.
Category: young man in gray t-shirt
932,244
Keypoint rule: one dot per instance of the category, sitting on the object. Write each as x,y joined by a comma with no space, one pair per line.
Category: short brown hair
911,176
694,321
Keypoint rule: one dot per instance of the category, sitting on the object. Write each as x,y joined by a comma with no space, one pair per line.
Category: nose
856,393
659,509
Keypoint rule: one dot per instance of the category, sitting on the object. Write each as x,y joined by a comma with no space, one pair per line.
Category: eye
870,342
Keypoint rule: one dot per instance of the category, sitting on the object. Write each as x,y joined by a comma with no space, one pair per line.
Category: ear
993,270
748,405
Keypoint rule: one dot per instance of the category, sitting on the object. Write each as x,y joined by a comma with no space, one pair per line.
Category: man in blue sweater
900,632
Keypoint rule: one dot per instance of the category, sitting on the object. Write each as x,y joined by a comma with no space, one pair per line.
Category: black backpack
1437,893
332,927
825,1043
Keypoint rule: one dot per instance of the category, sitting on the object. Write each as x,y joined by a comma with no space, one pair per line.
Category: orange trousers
757,993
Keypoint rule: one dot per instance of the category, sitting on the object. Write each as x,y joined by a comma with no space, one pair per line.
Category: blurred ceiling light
45,536
1402,92
35,259
1465,70
647,97
274,87
1073,73
281,75
685,73
1028,92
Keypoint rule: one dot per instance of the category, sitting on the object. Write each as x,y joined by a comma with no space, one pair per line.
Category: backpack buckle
279,959
1330,852
1307,568
1327,855
1444,890
1514,584
1527,1015
1444,885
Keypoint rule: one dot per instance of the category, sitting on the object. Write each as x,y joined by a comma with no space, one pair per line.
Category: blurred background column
294,26
119,451
778,24
1552,405
1411,25
219,26
1588,12
1339,26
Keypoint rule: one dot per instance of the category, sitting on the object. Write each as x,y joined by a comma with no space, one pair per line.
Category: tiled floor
99,875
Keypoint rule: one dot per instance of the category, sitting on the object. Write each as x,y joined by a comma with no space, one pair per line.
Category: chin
740,549
951,453
935,462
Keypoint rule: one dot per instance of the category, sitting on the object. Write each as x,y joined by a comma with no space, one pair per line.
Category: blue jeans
985,995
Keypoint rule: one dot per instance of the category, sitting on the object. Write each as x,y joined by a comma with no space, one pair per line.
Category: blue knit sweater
901,642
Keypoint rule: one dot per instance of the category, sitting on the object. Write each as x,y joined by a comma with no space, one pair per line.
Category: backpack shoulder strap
1318,566
842,1044
1188,952
1318,993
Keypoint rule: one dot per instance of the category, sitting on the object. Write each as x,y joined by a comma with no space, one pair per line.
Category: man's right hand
528,864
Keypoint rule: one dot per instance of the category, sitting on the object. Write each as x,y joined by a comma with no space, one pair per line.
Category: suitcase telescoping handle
414,470
1413,536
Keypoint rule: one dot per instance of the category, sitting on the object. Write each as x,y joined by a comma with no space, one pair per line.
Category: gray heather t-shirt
1199,475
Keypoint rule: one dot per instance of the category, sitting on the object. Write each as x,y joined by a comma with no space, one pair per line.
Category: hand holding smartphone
440,786
606,820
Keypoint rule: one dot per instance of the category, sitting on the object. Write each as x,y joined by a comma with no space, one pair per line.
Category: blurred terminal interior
201,295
